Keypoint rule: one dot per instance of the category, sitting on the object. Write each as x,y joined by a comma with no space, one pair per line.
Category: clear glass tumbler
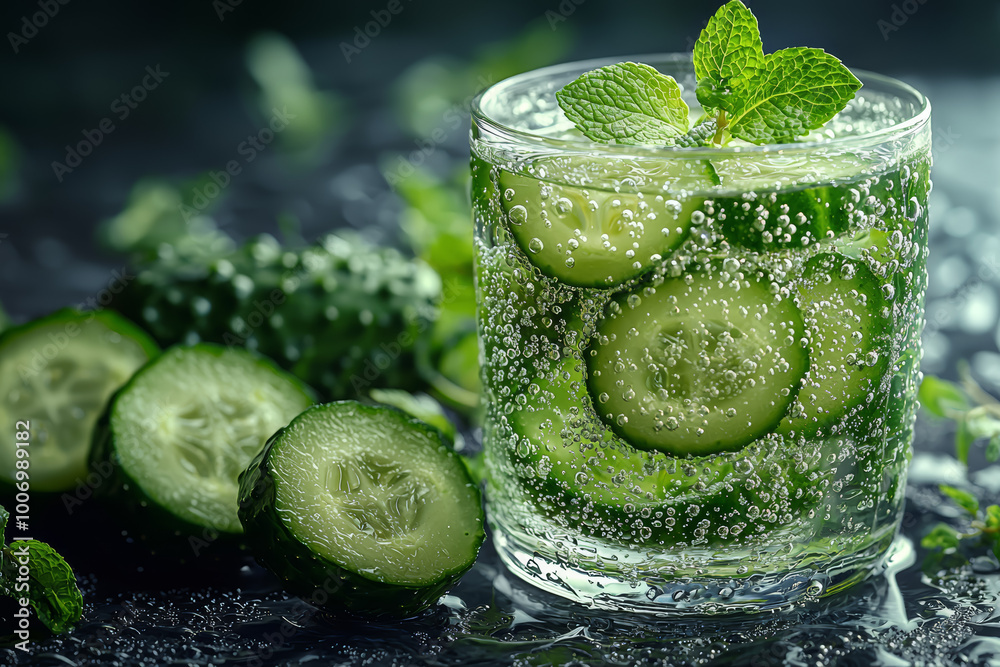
700,363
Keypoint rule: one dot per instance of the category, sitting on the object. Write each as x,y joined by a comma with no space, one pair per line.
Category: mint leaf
4,516
796,90
626,103
963,499
993,448
759,98
940,397
981,423
52,589
727,55
963,441
993,517
942,536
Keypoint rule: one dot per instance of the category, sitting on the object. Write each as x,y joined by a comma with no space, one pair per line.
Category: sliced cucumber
578,473
847,321
700,364
776,220
362,509
56,374
771,171
186,425
787,201
521,314
586,236
571,460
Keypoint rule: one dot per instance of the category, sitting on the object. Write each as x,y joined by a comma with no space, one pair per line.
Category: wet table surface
225,610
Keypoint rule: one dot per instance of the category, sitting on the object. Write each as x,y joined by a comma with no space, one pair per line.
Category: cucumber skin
317,580
342,357
159,528
111,320
162,532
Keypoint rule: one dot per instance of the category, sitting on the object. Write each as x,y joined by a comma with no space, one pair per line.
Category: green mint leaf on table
942,536
963,499
993,448
942,398
963,442
759,98
993,518
975,412
52,590
626,103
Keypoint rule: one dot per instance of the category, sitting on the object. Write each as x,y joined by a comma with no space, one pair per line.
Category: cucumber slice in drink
56,374
521,314
362,509
576,464
579,473
184,428
791,201
697,365
776,220
587,236
847,323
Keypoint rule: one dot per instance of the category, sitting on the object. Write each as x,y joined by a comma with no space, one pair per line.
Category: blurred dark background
229,63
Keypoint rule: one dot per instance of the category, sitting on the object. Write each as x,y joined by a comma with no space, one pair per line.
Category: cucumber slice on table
591,237
185,427
362,509
847,320
697,365
56,374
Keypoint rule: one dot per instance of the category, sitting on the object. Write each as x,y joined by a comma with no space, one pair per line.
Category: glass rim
531,139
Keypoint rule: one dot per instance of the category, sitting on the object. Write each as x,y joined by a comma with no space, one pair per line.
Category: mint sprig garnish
728,54
796,90
626,103
759,98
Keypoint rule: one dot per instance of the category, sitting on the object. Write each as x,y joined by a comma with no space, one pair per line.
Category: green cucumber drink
700,362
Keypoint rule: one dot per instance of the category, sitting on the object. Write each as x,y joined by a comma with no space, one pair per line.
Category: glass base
694,596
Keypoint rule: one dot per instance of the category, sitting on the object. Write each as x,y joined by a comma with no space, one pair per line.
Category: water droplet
518,215
535,244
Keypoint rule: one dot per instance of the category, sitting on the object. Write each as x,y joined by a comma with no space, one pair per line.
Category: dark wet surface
222,609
